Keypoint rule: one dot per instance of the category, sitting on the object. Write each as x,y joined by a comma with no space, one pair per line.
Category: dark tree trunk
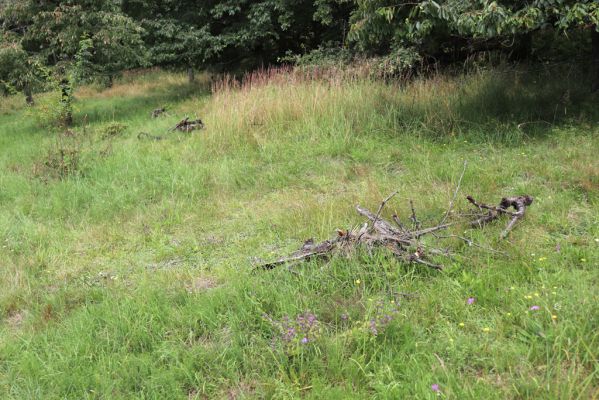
66,100
190,75
595,58
523,47
28,95
109,81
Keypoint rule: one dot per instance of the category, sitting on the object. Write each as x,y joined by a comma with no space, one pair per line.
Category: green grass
126,267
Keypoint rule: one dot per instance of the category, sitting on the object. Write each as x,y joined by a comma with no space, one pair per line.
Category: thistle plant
295,333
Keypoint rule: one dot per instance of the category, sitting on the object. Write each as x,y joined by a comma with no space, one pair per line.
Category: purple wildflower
373,329
383,315
471,300
303,329
289,334
535,308
386,319
435,388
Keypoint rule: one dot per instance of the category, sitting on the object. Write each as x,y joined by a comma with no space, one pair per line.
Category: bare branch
415,222
428,264
398,222
378,213
455,194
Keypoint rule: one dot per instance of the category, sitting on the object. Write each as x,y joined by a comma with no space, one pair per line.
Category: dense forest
63,42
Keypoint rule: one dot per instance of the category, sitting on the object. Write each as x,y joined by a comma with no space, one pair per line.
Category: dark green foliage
84,66
55,30
19,72
80,39
231,35
446,25
86,40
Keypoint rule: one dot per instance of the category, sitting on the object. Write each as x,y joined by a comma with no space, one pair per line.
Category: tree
176,32
54,32
228,35
20,73
381,24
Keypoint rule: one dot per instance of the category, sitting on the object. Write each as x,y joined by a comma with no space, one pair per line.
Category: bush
65,158
400,63
323,56
111,130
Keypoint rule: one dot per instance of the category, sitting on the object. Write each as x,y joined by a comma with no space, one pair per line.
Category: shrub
50,111
111,130
63,159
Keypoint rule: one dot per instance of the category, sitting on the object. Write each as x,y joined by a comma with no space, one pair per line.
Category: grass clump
132,277
62,159
63,162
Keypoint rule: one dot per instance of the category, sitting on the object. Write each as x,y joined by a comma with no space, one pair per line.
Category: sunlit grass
129,273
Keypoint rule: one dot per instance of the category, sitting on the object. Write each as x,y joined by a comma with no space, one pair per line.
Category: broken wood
518,203
158,112
185,125
307,251
146,135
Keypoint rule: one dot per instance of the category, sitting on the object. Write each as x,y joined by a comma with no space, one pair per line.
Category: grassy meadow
126,264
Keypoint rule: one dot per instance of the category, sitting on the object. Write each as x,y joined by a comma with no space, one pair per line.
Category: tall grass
132,278
501,103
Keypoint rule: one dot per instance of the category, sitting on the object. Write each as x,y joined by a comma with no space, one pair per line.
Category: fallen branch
158,112
308,250
146,135
518,203
185,125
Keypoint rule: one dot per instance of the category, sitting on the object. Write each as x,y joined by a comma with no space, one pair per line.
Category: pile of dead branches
404,240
